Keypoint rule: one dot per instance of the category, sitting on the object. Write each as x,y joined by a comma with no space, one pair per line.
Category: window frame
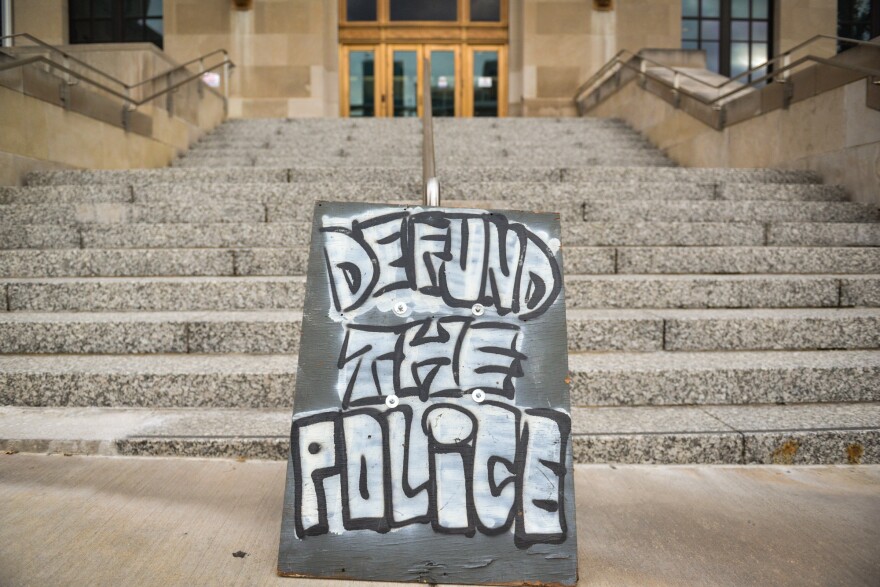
383,17
873,24
118,21
725,37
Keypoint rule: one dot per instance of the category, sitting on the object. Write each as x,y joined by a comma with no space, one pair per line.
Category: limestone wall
285,52
833,133
39,133
566,41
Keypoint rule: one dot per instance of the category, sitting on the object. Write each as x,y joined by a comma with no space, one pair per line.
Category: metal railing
430,185
120,89
624,60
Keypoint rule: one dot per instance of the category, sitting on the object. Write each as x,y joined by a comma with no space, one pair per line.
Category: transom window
736,34
116,21
446,11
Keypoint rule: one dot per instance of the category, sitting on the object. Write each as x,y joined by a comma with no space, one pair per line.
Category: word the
443,357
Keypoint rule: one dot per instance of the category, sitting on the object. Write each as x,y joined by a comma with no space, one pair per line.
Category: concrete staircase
715,315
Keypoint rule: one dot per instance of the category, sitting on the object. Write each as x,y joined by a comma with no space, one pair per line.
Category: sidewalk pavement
168,522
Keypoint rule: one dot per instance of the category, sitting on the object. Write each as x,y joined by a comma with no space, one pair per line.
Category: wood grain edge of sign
292,575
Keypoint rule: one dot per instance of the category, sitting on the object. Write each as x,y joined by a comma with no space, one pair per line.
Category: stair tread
578,362
721,360
288,315
36,422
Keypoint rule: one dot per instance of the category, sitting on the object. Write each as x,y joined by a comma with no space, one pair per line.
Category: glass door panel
361,83
444,99
405,82
485,83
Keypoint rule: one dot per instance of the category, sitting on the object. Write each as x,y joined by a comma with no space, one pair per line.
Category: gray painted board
431,428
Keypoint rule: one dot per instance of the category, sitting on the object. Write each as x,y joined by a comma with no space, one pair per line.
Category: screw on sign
431,434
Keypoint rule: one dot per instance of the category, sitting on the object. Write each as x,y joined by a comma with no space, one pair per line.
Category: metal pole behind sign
430,185
6,13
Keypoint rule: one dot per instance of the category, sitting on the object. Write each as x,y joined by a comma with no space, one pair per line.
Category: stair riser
593,388
286,209
829,235
577,261
256,390
361,175
648,211
445,151
710,292
118,213
155,296
519,194
697,292
282,336
748,260
813,448
298,233
634,387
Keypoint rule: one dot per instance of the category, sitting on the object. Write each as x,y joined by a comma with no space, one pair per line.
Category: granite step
518,194
582,292
690,260
722,330
804,434
715,211
827,234
397,175
577,260
597,379
297,233
526,195
115,212
205,210
361,144
345,159
272,332
724,377
160,294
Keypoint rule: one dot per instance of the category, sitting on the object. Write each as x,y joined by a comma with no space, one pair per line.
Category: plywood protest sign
431,434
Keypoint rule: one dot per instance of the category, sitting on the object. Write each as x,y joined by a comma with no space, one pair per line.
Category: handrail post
169,96
201,82
430,185
676,85
226,79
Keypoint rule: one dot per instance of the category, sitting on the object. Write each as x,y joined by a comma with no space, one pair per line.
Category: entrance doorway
384,80
383,44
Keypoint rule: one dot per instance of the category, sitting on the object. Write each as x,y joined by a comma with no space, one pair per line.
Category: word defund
464,259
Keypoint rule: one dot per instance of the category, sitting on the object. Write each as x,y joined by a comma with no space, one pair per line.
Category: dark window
736,34
437,10
485,10
360,10
857,19
116,21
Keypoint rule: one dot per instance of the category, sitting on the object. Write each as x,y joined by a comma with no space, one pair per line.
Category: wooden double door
384,79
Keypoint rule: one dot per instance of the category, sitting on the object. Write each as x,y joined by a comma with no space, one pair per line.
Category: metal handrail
784,57
64,54
106,75
806,59
185,65
430,184
129,104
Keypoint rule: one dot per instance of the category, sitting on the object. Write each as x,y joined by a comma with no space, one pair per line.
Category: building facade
489,57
